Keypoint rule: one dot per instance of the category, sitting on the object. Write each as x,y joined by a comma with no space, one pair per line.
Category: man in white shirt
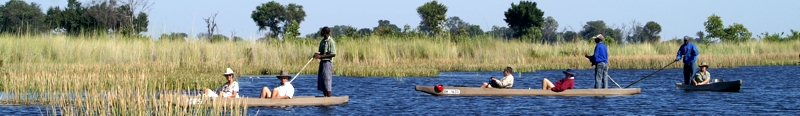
285,91
505,82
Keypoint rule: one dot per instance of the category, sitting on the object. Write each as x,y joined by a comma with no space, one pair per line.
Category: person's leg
265,93
328,77
276,93
597,77
485,85
687,73
693,69
209,93
547,84
604,73
321,78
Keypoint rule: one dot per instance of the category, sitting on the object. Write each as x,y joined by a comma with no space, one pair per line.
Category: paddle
651,74
612,80
301,70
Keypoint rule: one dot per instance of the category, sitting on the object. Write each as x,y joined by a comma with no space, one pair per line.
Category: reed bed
110,76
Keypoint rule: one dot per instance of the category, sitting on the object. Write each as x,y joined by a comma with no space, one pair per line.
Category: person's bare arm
234,94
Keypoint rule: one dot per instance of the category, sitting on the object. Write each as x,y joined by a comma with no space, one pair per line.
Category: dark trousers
688,71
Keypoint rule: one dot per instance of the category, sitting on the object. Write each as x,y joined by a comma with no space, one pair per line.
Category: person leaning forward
505,82
327,50
689,53
285,91
600,61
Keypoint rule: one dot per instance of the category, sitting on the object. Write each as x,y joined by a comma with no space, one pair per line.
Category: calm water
771,90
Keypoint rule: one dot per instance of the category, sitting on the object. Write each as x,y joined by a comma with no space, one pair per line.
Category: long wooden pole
301,70
651,74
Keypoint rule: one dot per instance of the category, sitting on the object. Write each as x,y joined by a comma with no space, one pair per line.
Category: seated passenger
505,82
568,82
228,90
285,91
702,77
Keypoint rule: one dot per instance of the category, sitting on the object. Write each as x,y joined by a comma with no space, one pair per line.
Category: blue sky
677,17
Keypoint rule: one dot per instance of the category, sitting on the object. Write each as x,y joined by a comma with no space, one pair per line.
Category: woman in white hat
702,77
285,91
228,90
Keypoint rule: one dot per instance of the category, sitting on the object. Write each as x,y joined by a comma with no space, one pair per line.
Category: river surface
766,90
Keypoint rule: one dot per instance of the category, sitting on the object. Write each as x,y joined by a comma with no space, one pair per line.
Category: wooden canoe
187,100
476,91
730,86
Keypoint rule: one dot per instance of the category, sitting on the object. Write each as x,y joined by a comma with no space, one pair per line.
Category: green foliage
100,17
525,19
733,33
173,37
219,38
610,41
549,28
775,37
432,15
593,28
292,31
386,28
500,32
714,27
18,17
268,16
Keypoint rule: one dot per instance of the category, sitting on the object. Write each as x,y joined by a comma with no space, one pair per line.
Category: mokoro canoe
476,91
187,100
730,86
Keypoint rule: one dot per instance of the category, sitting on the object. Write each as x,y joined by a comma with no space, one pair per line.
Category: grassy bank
44,67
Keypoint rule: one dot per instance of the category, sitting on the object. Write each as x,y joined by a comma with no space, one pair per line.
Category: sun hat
283,74
569,71
704,64
599,36
228,72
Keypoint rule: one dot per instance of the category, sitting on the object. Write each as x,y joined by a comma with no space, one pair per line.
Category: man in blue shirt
600,61
689,53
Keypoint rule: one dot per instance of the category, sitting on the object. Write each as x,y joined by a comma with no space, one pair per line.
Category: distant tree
364,32
453,24
173,37
268,16
386,28
549,28
733,33
714,27
338,31
701,37
474,30
211,25
432,15
651,31
571,36
525,19
237,39
292,31
16,16
294,13
501,32
737,33
593,28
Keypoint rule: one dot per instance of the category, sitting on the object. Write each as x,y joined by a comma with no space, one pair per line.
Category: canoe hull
476,91
186,100
730,86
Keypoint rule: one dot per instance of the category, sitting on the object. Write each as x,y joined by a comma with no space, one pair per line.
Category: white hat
228,72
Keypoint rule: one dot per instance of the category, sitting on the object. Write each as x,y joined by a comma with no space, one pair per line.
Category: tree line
98,17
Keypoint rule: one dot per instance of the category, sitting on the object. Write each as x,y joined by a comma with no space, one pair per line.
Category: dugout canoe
730,86
187,100
477,91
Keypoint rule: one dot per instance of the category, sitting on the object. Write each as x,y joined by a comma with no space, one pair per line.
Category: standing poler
689,53
327,50
600,61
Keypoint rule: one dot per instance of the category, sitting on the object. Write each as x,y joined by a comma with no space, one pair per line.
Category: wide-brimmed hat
704,64
284,74
569,71
599,36
687,38
228,72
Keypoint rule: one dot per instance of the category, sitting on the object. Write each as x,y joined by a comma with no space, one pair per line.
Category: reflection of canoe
730,86
185,100
476,91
